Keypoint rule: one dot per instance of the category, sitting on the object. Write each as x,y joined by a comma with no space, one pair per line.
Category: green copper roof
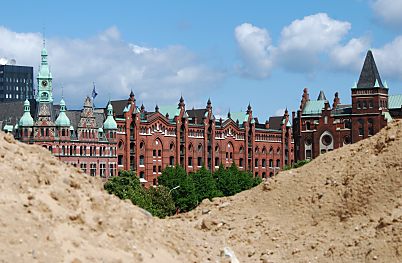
62,119
172,110
241,116
387,116
395,101
314,107
8,128
110,123
26,119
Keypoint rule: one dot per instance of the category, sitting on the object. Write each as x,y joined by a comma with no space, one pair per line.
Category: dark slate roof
275,122
369,73
74,116
11,112
321,96
118,107
198,114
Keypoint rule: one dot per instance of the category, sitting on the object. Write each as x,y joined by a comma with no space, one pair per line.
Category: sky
233,52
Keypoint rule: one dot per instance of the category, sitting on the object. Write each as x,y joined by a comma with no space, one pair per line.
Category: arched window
142,159
171,160
241,162
271,163
370,127
278,163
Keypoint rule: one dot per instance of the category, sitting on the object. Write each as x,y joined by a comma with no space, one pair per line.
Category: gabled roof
321,96
241,116
118,107
395,101
313,107
275,122
369,76
198,114
171,110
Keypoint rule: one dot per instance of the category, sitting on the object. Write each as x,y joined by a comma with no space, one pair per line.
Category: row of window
15,80
93,168
74,150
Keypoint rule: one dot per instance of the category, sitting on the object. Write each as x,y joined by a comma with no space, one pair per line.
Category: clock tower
44,79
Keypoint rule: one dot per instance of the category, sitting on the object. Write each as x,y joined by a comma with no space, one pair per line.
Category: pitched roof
313,107
11,112
321,96
275,122
369,76
198,114
395,101
118,107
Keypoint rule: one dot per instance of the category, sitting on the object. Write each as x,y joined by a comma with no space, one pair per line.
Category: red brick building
83,138
320,127
148,141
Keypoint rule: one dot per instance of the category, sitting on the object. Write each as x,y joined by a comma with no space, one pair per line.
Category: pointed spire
142,108
209,103
369,76
336,101
321,96
229,115
249,109
181,102
156,108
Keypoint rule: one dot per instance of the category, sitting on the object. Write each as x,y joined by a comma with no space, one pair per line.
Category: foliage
296,165
162,203
231,181
127,185
205,185
178,190
182,187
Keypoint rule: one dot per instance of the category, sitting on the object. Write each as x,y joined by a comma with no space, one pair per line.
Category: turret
110,123
26,119
62,120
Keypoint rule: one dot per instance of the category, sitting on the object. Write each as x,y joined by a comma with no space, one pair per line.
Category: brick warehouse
319,128
100,141
150,141
83,138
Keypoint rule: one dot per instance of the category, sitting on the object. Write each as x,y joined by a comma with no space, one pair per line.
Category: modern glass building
16,83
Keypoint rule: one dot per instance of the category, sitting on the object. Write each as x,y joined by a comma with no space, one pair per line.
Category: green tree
184,194
205,184
123,185
226,180
162,203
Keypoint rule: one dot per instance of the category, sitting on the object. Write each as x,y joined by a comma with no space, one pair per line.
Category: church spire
44,80
369,76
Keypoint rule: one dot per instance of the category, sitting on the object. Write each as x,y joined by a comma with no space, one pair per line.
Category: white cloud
255,49
155,74
388,59
304,40
388,11
299,49
350,55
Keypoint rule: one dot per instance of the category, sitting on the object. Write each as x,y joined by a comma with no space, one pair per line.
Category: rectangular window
308,154
199,161
112,167
241,162
159,169
264,163
154,153
102,171
120,160
154,169
256,162
159,152
83,167
190,161
92,170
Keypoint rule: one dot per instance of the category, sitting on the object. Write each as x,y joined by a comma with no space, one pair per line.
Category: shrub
184,196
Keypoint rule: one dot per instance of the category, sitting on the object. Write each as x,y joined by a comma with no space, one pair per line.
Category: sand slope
345,206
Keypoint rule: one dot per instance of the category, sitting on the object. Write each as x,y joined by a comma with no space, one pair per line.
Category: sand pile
51,212
345,206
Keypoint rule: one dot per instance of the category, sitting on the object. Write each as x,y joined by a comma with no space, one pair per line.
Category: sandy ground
345,206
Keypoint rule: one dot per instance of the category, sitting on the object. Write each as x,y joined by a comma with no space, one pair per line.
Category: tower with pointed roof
369,95
44,80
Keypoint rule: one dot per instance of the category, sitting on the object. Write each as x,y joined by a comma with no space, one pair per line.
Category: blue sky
235,52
